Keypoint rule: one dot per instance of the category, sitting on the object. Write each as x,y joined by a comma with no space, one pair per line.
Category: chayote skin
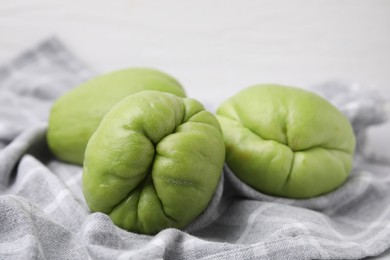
75,116
286,141
154,162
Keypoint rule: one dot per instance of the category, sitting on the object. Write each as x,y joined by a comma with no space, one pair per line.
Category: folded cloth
30,83
43,214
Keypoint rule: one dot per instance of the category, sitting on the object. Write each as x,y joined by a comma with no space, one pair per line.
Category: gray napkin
43,214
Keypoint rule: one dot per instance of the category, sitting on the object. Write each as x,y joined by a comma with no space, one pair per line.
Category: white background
216,47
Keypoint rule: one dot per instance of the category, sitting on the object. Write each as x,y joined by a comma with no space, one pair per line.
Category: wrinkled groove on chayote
286,141
154,162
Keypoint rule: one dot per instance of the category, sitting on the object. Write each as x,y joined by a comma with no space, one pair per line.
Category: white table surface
217,47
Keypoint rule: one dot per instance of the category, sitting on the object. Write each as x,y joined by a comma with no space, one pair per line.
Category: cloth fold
43,214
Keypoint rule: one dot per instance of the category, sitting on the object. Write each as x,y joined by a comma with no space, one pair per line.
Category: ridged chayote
154,162
75,116
286,141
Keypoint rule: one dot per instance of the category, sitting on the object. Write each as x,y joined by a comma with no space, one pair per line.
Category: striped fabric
43,214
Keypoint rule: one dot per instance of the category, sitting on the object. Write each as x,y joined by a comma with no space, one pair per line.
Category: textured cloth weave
43,214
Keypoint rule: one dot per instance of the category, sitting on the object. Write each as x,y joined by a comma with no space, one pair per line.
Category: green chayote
75,116
154,162
286,141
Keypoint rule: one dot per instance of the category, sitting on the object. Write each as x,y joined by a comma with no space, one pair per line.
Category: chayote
286,141
154,162
75,116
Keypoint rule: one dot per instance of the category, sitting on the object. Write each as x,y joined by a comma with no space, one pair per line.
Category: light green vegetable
286,141
75,116
154,162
